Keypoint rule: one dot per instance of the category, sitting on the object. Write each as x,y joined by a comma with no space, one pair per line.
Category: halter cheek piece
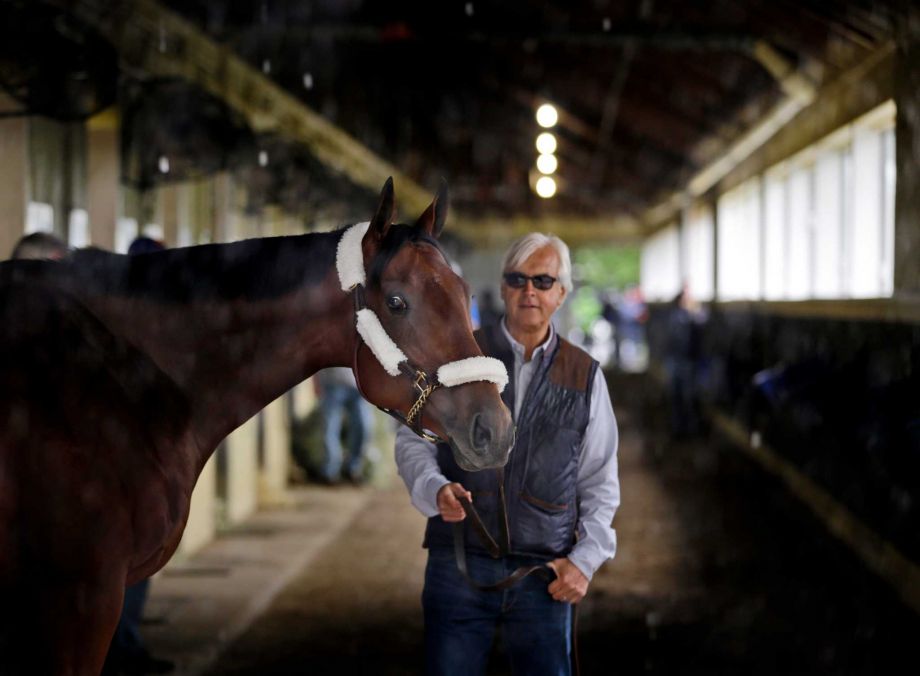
350,266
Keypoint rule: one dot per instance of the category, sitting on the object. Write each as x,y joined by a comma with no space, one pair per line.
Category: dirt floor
719,571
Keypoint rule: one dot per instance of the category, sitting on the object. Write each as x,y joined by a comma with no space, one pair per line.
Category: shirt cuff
587,558
432,485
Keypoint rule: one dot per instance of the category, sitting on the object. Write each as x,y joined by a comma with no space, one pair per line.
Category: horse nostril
480,434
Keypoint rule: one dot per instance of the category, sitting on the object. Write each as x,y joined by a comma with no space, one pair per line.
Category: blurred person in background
489,314
340,401
632,314
127,653
39,246
144,244
682,353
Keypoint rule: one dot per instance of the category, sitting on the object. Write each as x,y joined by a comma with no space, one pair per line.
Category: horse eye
396,304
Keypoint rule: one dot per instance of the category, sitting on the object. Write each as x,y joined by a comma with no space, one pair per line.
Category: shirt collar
539,351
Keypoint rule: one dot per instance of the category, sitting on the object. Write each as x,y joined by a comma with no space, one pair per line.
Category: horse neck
233,325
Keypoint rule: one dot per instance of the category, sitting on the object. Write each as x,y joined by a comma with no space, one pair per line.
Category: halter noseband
350,266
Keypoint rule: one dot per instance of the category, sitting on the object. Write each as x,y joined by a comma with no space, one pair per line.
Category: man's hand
449,506
570,584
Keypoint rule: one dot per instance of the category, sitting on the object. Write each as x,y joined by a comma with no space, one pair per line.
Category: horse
119,376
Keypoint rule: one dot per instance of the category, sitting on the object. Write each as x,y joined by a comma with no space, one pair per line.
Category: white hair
526,246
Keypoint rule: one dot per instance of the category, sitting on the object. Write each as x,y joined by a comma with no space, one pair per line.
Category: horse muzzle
488,441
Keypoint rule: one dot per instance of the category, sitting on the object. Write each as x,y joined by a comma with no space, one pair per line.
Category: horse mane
253,269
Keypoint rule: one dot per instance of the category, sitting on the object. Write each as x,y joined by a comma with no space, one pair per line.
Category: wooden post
14,181
907,156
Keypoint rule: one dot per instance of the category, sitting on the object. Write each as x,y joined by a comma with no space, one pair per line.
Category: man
560,483
339,397
128,654
682,352
39,246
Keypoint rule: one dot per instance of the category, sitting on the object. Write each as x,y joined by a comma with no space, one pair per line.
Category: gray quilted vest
540,477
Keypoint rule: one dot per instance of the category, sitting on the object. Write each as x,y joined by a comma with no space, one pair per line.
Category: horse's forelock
397,237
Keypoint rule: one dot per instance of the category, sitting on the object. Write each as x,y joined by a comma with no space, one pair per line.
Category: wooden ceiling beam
156,41
491,233
645,35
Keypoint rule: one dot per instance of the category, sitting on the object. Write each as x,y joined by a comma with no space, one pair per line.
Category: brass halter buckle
421,378
424,389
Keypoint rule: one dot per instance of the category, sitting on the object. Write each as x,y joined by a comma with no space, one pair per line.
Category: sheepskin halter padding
473,369
349,263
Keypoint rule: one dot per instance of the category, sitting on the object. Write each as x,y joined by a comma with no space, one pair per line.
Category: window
869,235
775,237
660,265
828,226
739,226
78,229
798,213
39,217
889,171
697,252
818,225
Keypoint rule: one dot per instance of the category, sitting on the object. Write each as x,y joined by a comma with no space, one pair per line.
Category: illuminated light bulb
263,158
547,116
547,163
546,187
308,80
546,143
163,164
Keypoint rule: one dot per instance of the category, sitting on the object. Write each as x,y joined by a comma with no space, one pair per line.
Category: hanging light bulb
547,115
263,158
546,187
163,164
546,143
547,163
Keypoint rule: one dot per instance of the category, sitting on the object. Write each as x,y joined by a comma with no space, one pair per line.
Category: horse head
416,355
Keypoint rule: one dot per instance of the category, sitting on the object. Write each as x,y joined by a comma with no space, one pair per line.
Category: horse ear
432,221
386,211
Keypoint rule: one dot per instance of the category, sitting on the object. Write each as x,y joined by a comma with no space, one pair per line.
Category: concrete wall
276,453
14,175
202,521
102,178
242,467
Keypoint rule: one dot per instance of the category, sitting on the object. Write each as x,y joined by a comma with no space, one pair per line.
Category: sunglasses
518,280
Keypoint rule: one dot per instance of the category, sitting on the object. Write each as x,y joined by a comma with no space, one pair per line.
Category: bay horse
119,376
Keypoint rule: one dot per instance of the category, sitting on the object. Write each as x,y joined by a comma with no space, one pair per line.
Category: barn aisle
718,571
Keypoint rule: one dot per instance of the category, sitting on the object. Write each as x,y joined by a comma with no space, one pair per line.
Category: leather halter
422,384
350,268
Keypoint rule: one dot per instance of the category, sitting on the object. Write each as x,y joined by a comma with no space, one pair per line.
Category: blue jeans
127,639
337,401
460,621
